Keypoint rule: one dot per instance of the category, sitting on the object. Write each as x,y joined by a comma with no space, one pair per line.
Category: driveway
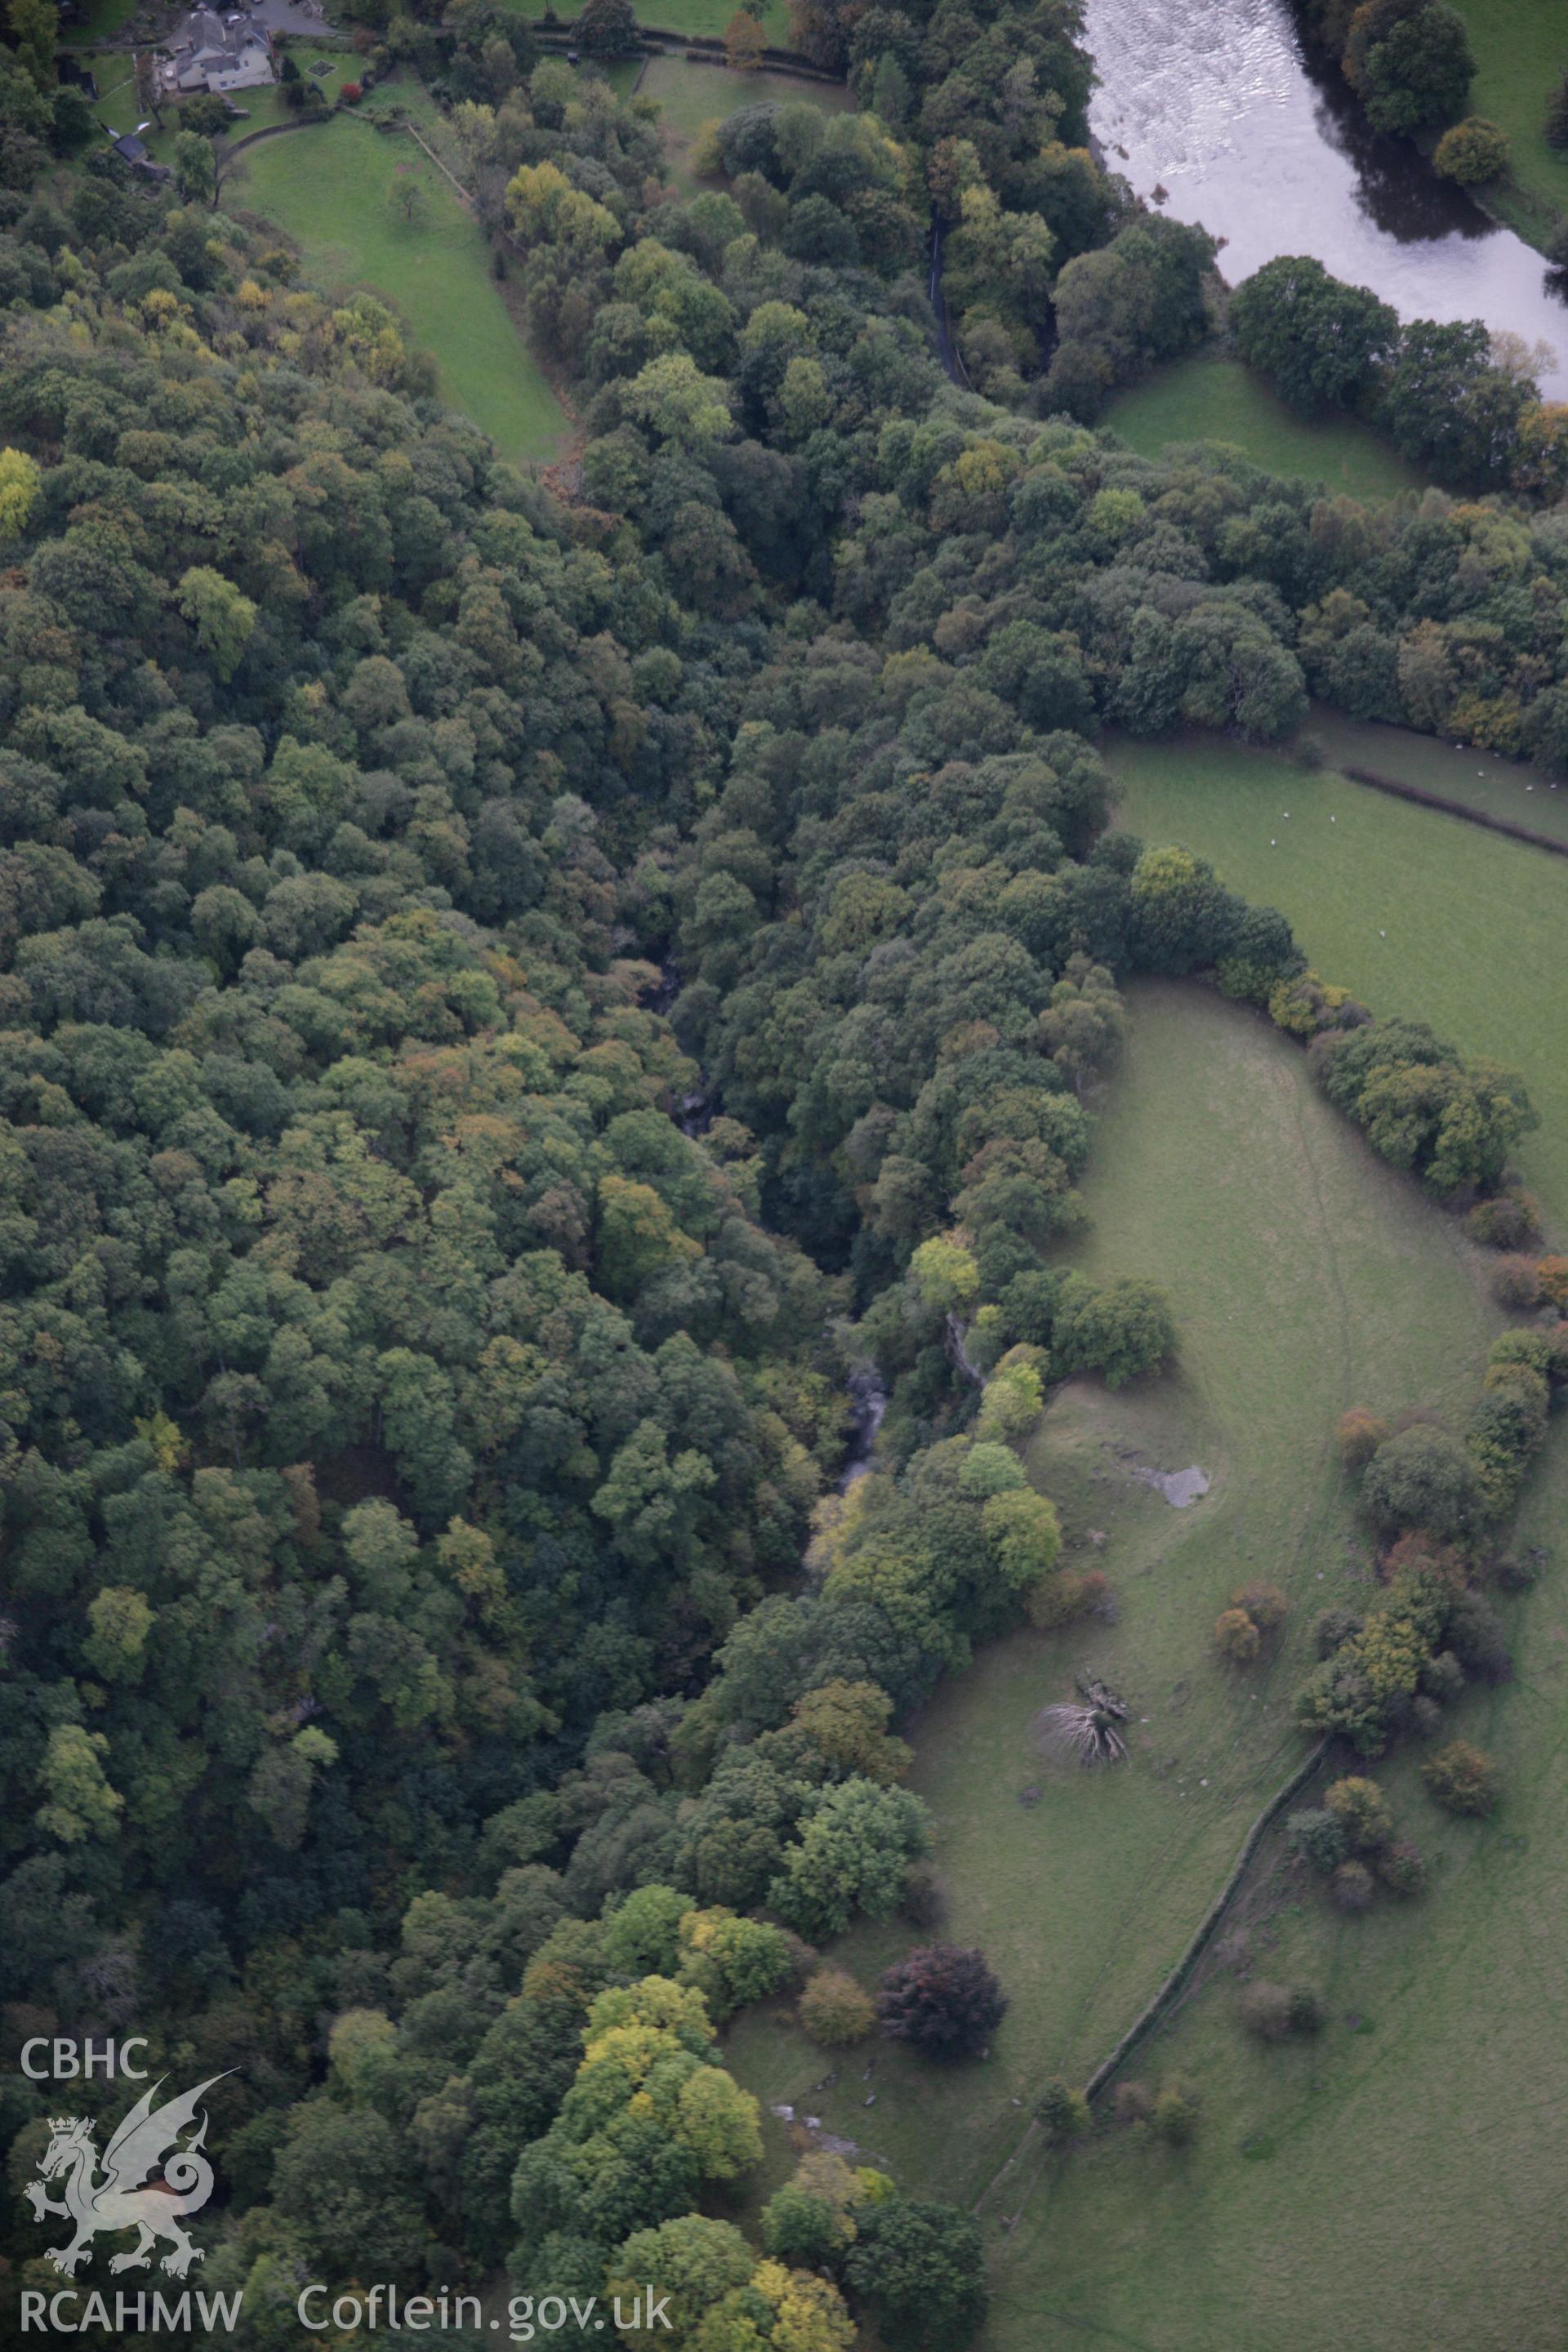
303,16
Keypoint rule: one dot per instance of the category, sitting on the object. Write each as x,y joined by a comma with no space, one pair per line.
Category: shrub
1421,1478
1094,1597
1507,1221
1361,1811
350,93
1513,1351
1411,66
833,2011
1510,1573
1370,1682
924,1902
1061,2112
1401,1867
1305,1004
1266,2011
1332,1628
1235,1637
1557,117
1263,1603
1176,2114
744,41
207,113
1418,1554
943,1998
1516,1285
916,2269
1552,1275
1426,1717
1359,1436
805,2223
1463,1779
1471,151
1133,2103
705,157
1352,1887
733,1960
1476,1639
1308,2013
1443,1677
606,28
1318,1837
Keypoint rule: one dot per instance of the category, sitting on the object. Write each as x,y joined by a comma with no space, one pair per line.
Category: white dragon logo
120,2200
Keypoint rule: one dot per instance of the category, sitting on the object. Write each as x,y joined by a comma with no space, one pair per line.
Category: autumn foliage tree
744,41
943,1998
607,28
834,2010
1462,1778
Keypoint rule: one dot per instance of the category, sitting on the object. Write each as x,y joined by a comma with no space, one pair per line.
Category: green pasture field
704,19
98,20
1211,397
1394,2185
1306,1277
1522,53
1419,913
689,95
330,190
1511,789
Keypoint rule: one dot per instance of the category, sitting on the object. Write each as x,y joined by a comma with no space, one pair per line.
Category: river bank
1218,117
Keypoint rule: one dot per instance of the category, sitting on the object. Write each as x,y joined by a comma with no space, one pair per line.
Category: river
1218,105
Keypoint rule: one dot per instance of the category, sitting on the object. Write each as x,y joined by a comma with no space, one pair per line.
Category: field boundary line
463,197
1207,1927
707,48
1175,1982
1424,799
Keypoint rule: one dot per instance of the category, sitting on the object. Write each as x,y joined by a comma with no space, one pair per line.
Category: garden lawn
1210,397
330,189
259,109
1419,914
1305,1277
688,96
115,106
1522,53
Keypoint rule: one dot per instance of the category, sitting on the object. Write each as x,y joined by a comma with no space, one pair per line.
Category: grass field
689,95
1522,53
1305,1277
1210,397
1477,780
330,189
705,20
1419,914
96,21
1396,2185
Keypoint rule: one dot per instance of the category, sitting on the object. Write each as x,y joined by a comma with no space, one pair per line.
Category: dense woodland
445,1681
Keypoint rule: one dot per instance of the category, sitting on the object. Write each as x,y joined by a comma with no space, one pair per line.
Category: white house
220,53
